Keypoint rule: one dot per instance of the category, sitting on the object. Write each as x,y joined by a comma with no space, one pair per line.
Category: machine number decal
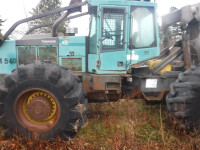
8,60
151,83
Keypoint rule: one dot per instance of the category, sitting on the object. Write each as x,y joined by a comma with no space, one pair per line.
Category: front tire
43,100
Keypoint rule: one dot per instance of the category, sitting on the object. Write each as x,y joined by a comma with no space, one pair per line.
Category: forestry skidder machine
41,97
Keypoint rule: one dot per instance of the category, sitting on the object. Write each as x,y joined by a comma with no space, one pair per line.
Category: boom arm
184,15
188,16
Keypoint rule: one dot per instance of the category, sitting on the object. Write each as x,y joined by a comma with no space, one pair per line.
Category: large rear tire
43,100
183,101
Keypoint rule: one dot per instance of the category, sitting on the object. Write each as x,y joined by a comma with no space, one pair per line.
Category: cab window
143,33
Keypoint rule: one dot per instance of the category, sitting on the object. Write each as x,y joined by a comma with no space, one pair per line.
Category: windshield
143,27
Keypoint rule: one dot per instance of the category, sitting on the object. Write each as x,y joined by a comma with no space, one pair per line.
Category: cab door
113,39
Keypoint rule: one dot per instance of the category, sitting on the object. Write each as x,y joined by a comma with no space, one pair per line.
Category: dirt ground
123,125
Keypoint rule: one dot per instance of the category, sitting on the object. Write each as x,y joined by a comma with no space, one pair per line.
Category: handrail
12,28
51,23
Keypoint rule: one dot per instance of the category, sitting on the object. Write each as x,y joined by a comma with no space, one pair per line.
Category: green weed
126,124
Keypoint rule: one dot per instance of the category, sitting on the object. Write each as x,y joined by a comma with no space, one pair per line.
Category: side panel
154,88
114,61
139,55
72,53
92,59
8,57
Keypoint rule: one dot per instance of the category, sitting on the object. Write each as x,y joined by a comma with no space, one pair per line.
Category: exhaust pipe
65,15
51,23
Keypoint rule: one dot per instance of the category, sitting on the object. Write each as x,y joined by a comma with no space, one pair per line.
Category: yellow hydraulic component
46,96
152,64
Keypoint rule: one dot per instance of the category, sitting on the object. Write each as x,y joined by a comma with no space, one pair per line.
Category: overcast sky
14,10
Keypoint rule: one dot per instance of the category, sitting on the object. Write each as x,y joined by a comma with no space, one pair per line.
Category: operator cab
122,33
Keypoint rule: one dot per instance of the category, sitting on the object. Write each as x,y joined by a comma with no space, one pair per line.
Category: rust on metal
48,53
99,81
74,64
86,80
102,87
22,118
98,64
39,108
112,95
78,75
136,93
139,64
102,96
26,54
158,97
96,95
187,55
126,75
113,86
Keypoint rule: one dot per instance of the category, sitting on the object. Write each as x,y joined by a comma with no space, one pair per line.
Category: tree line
41,7
174,31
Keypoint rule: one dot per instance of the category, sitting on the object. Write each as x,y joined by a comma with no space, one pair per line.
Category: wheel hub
39,108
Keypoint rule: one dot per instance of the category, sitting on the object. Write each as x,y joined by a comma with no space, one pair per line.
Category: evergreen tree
174,30
1,24
45,6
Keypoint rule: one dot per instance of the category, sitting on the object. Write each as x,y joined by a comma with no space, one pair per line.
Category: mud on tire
183,101
61,92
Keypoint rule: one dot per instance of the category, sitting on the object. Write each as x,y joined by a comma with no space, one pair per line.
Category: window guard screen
113,24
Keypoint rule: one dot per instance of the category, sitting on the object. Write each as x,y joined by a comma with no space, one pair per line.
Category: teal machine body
122,33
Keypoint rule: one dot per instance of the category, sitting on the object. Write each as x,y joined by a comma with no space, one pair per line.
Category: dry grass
127,124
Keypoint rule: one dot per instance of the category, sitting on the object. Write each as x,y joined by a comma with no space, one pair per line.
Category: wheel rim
37,110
